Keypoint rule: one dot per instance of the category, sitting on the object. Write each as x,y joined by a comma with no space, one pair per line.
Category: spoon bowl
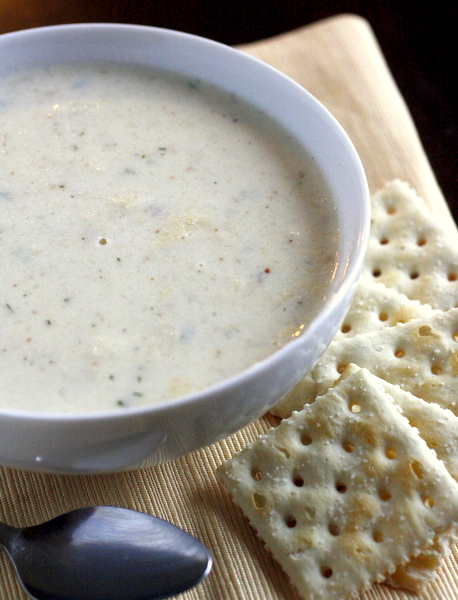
105,553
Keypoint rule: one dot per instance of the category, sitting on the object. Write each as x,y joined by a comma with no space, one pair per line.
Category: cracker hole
391,453
334,529
384,495
345,328
455,335
399,353
425,330
348,446
290,522
384,241
376,273
377,536
421,241
326,572
341,367
341,487
259,501
306,440
452,277
257,474
102,241
391,210
298,481
417,469
414,275
436,370
428,502
355,407
383,316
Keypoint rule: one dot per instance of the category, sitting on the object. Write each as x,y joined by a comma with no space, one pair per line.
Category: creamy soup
156,237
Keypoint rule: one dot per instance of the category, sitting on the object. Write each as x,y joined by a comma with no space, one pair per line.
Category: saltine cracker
344,491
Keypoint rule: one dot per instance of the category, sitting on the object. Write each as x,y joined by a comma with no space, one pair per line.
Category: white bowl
104,442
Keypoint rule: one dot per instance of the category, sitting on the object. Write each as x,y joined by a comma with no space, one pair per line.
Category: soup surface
156,237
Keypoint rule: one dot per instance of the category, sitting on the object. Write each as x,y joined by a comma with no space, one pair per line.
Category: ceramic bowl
107,442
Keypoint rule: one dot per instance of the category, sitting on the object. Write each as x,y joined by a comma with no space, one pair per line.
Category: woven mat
339,61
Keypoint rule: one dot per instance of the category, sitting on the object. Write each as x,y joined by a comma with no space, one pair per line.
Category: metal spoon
105,553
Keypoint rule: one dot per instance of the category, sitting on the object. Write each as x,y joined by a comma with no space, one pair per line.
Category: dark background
418,41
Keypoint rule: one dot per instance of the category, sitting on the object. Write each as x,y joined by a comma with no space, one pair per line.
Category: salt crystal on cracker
409,250
343,491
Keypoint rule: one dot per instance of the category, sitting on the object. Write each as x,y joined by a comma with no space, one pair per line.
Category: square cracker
374,307
409,250
436,425
439,428
343,491
421,356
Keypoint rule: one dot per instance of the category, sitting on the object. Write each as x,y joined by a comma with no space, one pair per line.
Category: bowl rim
350,278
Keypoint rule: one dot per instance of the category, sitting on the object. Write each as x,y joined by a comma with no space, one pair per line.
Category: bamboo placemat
339,61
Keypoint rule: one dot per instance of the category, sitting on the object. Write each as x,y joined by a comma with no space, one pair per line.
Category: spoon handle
6,533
